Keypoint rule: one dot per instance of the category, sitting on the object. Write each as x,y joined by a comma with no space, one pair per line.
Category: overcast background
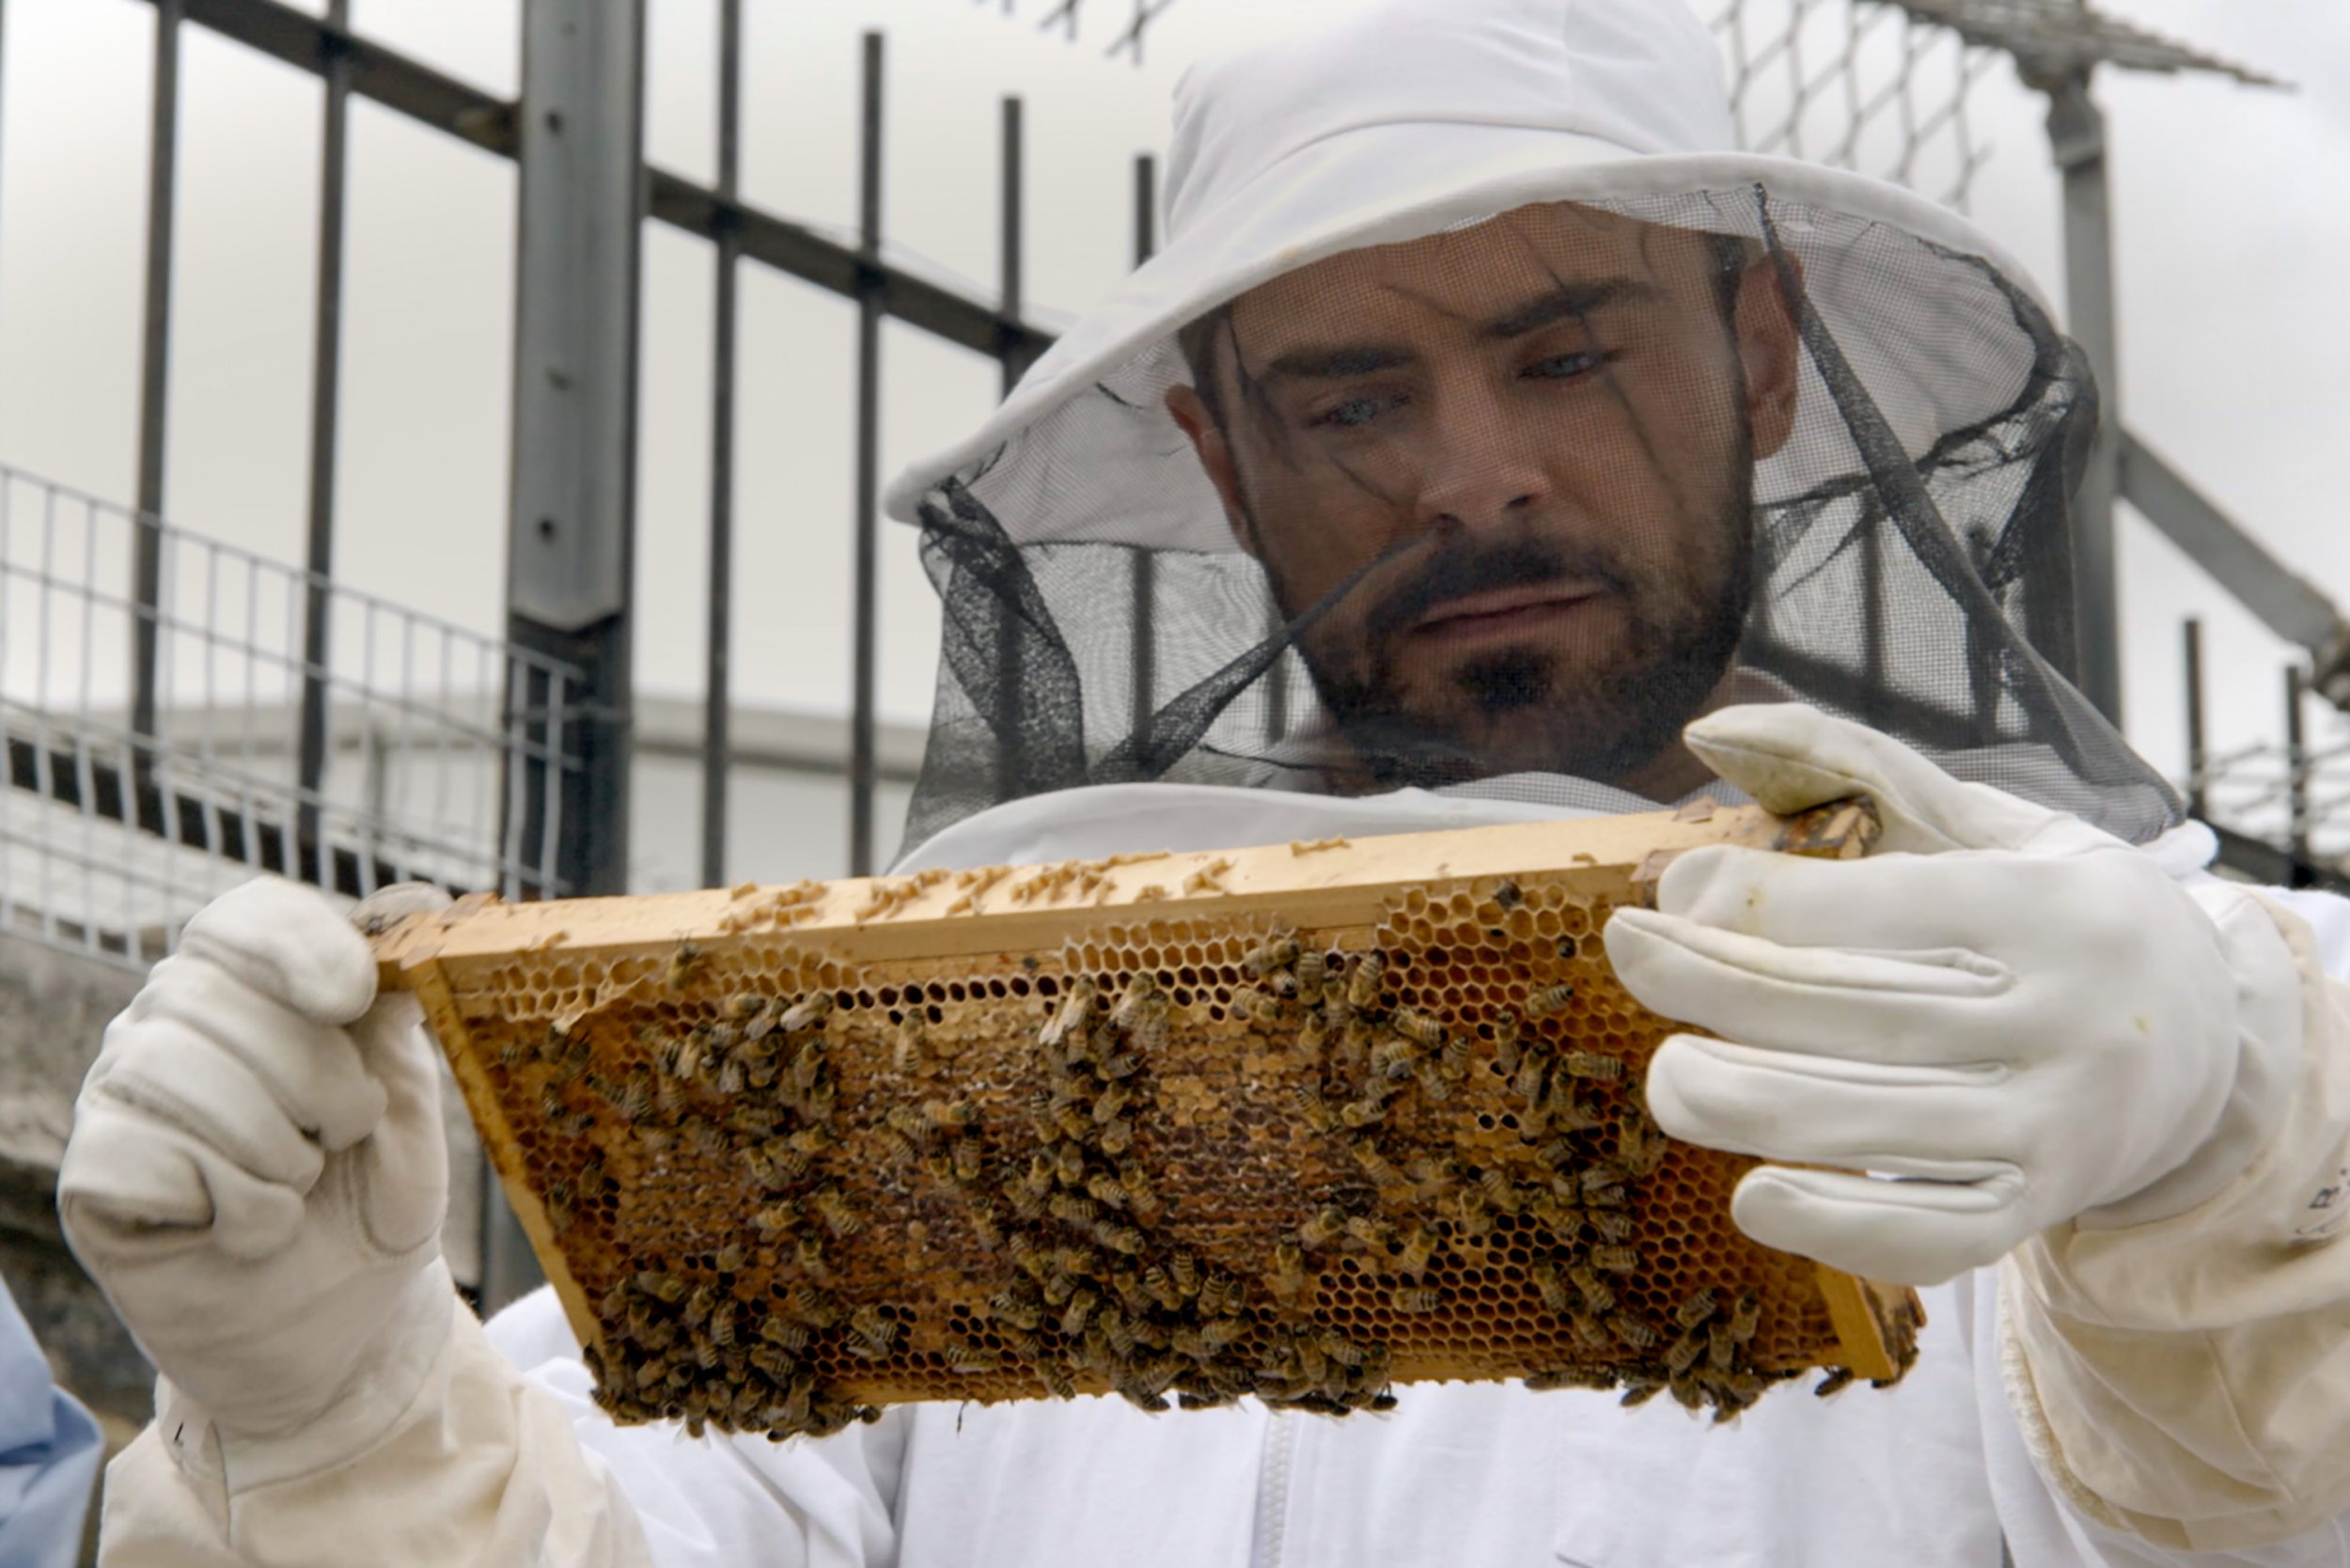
2232,208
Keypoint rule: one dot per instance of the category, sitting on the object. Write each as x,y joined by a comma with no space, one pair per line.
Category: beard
1595,713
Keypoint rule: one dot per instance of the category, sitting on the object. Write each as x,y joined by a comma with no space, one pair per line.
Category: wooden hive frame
1299,1122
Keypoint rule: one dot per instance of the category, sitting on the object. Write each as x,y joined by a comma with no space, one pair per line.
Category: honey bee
1554,1289
1313,1034
908,1123
1432,1081
1563,1111
1314,1108
913,1041
969,1161
1452,1058
1070,1165
1632,1331
1118,1136
1375,1164
1420,1250
1080,1308
1056,1381
1313,976
1122,1238
1219,1333
783,1333
1368,1111
872,1332
1141,1197
1698,1308
1835,1382
1072,1209
1162,1287
1589,1329
722,1324
1110,1103
1289,1270
1613,1225
1592,1066
774,1220
1639,1391
1070,1117
685,962
1362,982
1527,1084
1616,1259
1571,1377
668,1289
1721,1350
807,1013
1370,1229
1598,1177
1597,1294
1123,1065
1186,1270
1322,1227
1746,1316
833,1208
1106,1190
1074,1013
972,1360
1684,1351
1548,1000
808,1251
1256,1007
1415,1299
1278,952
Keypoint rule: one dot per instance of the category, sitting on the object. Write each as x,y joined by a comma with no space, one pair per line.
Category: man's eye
1565,366
1355,413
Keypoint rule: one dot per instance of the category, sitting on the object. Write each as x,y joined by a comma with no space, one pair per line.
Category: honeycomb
1299,1123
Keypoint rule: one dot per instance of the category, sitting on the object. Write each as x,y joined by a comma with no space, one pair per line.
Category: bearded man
1490,443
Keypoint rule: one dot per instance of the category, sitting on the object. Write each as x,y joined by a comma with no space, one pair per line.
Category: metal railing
438,753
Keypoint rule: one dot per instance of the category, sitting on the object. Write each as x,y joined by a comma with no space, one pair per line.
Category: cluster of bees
692,1351
1088,1285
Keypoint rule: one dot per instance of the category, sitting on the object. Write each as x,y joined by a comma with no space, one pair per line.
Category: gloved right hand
256,1173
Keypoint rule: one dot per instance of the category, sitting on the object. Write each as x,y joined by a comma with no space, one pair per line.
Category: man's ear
1770,347
1190,412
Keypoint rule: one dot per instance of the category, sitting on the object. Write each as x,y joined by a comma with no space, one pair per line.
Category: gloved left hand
2003,1020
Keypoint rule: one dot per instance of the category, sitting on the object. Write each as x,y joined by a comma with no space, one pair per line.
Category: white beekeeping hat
1411,117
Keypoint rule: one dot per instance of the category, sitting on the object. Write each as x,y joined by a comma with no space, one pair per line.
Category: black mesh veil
1520,497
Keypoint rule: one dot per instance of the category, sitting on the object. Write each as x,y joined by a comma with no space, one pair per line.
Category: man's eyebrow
1337,361
1569,299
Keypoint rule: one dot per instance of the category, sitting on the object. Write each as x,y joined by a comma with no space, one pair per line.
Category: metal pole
1145,607
147,590
718,744
2296,779
1010,774
865,597
326,391
2197,750
571,545
2077,134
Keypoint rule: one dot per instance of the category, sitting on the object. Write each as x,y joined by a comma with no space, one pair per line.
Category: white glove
2021,1019
257,1176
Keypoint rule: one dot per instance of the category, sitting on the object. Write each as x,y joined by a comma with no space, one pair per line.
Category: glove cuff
2270,1028
390,1375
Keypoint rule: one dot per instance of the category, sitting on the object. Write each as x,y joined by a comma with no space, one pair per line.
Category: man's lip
1477,610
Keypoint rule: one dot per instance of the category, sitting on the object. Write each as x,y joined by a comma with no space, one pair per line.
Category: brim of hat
1431,177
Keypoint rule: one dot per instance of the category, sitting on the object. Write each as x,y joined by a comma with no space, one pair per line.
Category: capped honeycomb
1301,1122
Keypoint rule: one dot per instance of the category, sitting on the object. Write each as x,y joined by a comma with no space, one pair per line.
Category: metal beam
2282,601
2076,136
162,163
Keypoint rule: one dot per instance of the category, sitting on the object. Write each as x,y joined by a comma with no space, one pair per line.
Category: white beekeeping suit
1503,445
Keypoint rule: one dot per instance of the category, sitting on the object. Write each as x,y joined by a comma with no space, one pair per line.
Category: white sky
2232,209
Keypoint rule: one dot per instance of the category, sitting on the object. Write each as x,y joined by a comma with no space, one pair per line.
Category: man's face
1533,441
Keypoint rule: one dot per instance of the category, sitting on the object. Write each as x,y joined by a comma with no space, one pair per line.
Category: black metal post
2296,778
865,604
2197,750
1010,227
1145,611
570,539
147,588
717,742
325,396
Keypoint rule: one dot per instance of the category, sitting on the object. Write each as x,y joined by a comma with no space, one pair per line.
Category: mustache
1463,570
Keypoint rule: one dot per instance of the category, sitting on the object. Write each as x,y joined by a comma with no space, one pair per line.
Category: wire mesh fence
441,749
1860,84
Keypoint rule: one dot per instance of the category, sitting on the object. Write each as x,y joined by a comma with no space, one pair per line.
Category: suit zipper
1273,1490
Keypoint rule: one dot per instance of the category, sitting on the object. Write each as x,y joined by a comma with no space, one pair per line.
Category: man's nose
1482,466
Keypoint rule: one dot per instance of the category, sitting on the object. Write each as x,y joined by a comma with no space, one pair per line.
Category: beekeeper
1490,443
